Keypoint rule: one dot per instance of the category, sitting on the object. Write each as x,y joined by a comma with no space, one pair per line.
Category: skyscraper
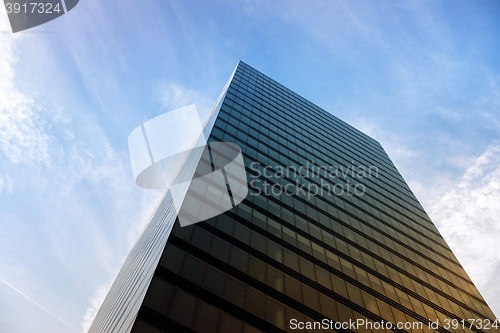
329,238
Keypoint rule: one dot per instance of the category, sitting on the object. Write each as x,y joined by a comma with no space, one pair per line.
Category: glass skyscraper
329,238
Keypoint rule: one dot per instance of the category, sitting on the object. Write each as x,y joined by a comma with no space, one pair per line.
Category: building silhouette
329,238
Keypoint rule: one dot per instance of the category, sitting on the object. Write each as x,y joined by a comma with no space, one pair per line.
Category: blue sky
422,77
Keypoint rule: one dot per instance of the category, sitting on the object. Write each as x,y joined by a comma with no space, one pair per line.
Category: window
172,258
255,302
230,324
235,291
275,313
183,307
207,318
193,269
256,269
274,251
292,288
214,280
339,286
201,239
311,299
143,327
159,295
291,259
323,277
307,268
242,233
293,314
258,242
239,259
274,278
220,249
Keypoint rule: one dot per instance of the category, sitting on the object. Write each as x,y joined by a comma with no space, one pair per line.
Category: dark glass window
290,314
275,312
230,324
193,269
292,288
328,307
255,302
159,295
214,280
141,326
235,291
183,307
201,239
311,299
207,318
242,233
220,249
239,259
257,269
291,259
172,258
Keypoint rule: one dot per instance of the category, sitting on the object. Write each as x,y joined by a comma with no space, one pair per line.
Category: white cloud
95,303
465,208
411,161
467,216
21,134
83,164
5,183
84,209
37,304
174,96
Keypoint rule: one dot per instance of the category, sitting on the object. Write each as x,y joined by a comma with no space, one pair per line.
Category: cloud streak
95,303
38,304
21,138
467,216
173,96
84,210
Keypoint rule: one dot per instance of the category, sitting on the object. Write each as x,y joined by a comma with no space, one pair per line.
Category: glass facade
329,229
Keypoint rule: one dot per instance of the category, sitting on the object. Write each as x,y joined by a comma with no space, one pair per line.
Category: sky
421,77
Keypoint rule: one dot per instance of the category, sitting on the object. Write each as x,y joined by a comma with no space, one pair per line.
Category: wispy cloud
84,209
21,138
5,184
173,95
395,65
95,303
467,216
38,304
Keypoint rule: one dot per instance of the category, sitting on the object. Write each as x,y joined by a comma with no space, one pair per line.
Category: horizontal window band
371,205
348,258
161,322
270,182
298,306
287,300
323,265
420,209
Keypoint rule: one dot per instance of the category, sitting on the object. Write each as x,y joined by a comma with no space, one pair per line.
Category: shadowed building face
328,238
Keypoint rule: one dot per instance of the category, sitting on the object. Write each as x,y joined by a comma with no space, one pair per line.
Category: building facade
329,238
